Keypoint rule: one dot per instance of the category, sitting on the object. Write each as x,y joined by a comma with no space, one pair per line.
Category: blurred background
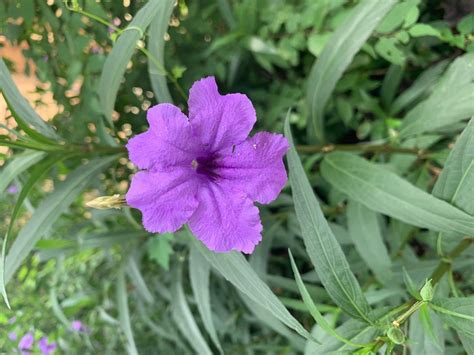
66,290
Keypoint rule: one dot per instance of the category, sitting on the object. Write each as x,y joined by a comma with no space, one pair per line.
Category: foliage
378,214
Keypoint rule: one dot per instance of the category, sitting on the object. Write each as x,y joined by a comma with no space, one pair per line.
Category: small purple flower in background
205,170
12,336
45,347
26,342
77,326
12,190
12,320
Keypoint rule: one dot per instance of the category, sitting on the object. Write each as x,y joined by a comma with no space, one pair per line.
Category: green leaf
422,29
184,319
321,244
160,250
37,174
385,192
133,271
451,101
337,55
391,83
116,62
365,232
16,166
50,210
156,47
457,166
458,313
124,313
237,270
199,274
387,49
308,301
420,341
410,284
21,109
421,87
396,16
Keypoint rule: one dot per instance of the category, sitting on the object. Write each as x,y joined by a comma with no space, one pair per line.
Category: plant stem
365,148
443,267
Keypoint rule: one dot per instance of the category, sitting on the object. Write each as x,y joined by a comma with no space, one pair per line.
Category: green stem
365,148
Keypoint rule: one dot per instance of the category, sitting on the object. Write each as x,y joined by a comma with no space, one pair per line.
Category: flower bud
106,202
396,335
426,291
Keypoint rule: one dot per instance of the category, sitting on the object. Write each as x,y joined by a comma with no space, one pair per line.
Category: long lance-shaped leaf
321,244
124,313
337,55
199,274
49,211
238,271
16,166
365,231
156,47
451,101
385,192
116,62
184,319
21,109
37,174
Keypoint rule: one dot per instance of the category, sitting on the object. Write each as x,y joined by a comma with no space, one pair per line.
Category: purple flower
12,190
45,347
205,170
12,319
12,336
76,325
26,342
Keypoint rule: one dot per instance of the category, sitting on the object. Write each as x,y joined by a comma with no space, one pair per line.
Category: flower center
205,166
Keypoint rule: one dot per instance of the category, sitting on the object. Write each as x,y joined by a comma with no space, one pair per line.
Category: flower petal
166,200
219,121
256,166
168,142
226,220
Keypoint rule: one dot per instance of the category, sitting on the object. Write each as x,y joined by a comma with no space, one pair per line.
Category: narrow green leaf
39,171
156,47
237,270
420,341
422,86
321,244
49,211
184,319
365,232
16,166
451,101
337,55
456,165
308,301
199,274
410,284
20,106
124,313
133,271
116,62
457,313
387,193
391,83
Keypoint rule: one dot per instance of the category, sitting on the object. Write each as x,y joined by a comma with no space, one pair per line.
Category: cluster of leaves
380,216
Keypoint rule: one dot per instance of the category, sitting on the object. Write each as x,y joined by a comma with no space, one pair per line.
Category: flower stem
366,148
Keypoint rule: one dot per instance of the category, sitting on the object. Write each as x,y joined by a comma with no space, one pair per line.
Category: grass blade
124,313
16,166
